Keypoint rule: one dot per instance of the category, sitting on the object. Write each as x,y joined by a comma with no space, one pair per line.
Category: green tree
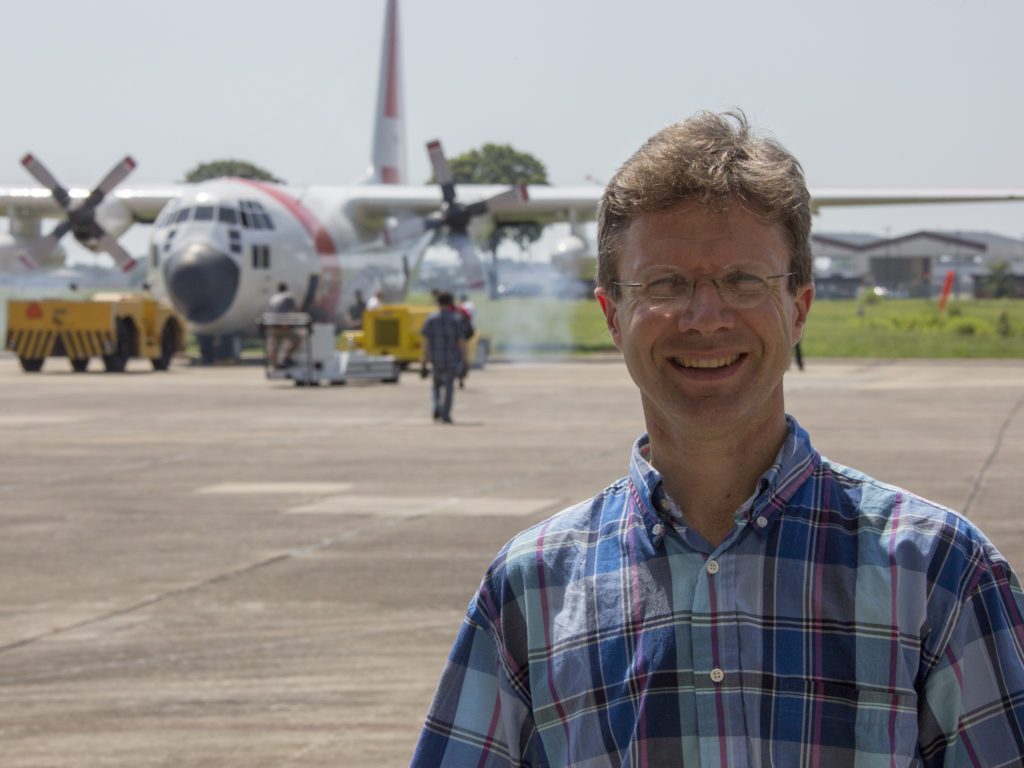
237,168
497,164
999,282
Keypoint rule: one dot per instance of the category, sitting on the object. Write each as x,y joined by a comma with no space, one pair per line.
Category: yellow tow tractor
114,326
394,329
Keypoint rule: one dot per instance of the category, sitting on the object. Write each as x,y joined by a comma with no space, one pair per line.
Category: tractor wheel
116,361
163,362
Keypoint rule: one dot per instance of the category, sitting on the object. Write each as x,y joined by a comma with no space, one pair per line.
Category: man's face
699,362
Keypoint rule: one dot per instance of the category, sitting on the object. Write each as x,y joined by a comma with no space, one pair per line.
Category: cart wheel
31,364
79,364
116,362
163,362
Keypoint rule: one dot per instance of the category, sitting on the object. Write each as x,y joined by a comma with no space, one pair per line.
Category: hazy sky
867,93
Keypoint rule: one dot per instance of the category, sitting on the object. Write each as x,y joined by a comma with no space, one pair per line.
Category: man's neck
710,476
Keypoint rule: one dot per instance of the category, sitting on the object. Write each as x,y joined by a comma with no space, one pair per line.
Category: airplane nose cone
201,282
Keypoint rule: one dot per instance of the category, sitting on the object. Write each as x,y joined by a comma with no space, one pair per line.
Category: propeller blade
116,175
41,248
81,217
123,259
476,278
44,177
404,230
442,170
508,200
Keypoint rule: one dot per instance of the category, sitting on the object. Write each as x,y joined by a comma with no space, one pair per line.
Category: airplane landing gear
219,349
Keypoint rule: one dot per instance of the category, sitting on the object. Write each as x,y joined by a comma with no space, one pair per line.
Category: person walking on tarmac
465,317
281,302
444,346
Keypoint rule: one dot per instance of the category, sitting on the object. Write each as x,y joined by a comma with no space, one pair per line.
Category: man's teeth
713,362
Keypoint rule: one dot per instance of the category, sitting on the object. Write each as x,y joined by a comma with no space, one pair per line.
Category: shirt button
658,529
712,567
717,675
761,522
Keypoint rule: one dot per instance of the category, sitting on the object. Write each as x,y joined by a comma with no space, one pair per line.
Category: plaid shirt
442,330
842,622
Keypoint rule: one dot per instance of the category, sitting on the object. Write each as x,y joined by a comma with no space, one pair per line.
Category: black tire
163,362
116,362
79,364
31,364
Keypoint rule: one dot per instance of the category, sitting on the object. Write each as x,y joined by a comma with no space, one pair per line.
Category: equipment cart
316,359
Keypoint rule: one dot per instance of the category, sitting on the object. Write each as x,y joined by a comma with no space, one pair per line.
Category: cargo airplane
219,248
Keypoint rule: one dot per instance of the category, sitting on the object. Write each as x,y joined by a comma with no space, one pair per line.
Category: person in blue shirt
444,346
737,599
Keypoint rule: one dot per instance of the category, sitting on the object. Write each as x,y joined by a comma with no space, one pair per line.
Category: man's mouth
705,362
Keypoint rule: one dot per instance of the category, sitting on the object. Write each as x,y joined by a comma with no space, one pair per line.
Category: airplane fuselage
219,251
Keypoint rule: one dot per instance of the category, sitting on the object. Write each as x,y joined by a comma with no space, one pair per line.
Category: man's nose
706,311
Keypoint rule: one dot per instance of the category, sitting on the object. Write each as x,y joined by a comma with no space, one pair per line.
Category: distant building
911,265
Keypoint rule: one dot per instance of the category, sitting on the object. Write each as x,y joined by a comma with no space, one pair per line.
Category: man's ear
611,314
802,303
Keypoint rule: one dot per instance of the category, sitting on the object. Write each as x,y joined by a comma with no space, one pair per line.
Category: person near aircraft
281,334
374,301
465,315
444,347
354,316
737,598
467,306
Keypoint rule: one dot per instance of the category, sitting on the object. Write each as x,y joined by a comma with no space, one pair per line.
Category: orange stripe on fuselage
391,102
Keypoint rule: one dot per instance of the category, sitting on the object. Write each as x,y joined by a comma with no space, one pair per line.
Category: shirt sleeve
973,709
478,717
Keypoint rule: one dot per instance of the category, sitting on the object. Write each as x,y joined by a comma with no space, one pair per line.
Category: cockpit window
227,215
254,215
168,214
204,213
182,215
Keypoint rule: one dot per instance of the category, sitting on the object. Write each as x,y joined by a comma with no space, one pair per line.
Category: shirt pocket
816,722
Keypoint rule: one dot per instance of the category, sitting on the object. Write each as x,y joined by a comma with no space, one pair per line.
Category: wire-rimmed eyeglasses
738,288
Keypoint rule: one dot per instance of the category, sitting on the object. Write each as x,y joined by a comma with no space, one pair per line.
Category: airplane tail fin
389,124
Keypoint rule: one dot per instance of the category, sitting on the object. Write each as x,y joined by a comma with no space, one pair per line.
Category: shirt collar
793,464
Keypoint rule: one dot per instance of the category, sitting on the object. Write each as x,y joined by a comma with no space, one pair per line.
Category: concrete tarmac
206,568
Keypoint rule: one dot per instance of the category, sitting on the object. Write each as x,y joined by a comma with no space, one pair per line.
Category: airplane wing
371,206
143,203
909,196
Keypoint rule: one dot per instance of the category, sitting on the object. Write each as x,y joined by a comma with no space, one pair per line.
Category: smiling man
737,599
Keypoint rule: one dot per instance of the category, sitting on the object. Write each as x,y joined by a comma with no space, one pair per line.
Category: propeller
81,217
455,216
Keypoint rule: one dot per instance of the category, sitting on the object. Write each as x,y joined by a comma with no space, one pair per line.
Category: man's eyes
669,282
741,280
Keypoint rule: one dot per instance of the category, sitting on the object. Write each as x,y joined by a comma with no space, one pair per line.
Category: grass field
837,328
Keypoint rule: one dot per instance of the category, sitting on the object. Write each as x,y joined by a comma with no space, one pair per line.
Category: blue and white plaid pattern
843,622
443,329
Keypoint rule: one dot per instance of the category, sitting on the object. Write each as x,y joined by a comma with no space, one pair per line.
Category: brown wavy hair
714,159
